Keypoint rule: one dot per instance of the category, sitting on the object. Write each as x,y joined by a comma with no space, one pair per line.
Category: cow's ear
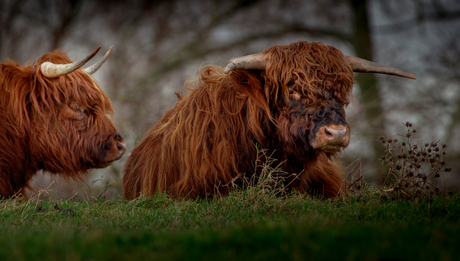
251,84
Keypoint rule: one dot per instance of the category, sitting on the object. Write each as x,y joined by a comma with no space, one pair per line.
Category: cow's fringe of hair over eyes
33,111
209,137
24,88
318,68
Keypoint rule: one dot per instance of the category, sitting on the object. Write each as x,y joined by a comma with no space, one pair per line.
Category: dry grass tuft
268,178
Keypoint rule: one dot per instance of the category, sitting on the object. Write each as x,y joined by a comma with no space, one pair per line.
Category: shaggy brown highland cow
288,99
53,117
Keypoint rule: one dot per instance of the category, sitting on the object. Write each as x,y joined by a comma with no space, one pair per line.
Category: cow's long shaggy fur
210,136
57,125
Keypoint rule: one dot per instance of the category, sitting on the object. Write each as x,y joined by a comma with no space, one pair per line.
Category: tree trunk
370,95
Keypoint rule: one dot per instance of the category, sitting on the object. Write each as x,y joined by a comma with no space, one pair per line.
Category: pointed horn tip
109,51
93,68
97,49
400,74
89,57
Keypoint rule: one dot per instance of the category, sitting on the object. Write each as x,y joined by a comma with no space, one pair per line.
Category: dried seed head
437,175
448,169
429,150
427,187
415,147
408,124
408,135
383,157
414,131
411,174
436,149
418,166
425,178
437,189
443,153
404,156
381,138
395,140
403,143
390,140
442,163
398,167
426,144
444,145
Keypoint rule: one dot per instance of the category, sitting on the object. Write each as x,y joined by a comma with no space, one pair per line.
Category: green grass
246,225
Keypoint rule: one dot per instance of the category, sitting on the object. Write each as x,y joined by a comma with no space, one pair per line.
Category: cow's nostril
121,148
328,133
335,135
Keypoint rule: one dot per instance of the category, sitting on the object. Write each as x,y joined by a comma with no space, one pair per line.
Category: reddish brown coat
59,125
210,136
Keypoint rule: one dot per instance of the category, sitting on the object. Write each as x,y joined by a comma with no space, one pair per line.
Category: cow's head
71,129
307,87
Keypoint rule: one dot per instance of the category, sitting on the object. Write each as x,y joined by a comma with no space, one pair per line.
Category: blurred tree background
159,44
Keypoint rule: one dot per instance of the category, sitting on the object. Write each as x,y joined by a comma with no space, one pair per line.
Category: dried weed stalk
413,169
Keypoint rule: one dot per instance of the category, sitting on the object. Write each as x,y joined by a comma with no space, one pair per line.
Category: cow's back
12,153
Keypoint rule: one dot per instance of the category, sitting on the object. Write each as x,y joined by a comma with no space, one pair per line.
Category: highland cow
288,100
53,117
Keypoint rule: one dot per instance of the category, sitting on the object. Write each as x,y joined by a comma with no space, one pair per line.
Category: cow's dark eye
76,107
294,95
74,111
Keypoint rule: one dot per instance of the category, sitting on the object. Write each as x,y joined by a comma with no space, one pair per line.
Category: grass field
410,217
248,225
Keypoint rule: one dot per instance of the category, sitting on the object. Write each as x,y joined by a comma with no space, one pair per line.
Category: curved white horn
93,68
249,62
361,65
52,70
